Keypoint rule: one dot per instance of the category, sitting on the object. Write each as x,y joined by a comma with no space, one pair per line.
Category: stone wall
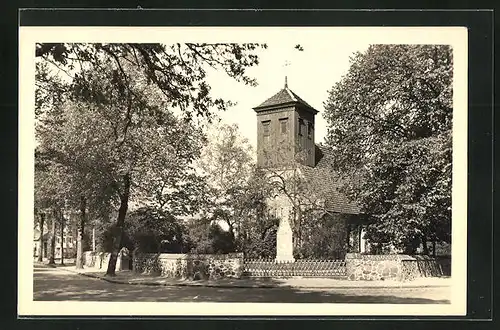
100,260
193,266
97,260
425,266
372,267
394,267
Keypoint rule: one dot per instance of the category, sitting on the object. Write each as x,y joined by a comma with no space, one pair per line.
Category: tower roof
283,97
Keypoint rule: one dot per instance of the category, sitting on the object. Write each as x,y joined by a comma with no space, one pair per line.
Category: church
303,172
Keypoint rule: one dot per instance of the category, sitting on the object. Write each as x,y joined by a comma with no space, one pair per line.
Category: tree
59,185
227,164
257,231
234,198
62,224
177,70
41,223
322,236
116,127
54,189
52,251
208,237
390,124
113,169
48,199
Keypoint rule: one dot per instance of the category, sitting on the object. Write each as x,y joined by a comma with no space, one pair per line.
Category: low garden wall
425,266
394,266
216,266
100,260
194,266
97,260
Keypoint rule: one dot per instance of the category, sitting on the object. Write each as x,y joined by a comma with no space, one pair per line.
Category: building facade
42,244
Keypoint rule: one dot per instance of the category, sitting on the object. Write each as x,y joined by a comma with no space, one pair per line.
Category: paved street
57,285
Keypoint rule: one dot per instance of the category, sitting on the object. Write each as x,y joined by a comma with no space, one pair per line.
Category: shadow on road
55,285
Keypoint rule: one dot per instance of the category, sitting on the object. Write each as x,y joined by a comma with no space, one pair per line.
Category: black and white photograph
243,171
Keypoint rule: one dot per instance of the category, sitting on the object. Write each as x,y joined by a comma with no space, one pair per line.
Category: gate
301,267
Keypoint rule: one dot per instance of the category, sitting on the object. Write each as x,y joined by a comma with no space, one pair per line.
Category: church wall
277,148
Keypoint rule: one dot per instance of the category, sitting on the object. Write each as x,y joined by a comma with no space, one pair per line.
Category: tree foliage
322,237
227,164
234,198
257,231
209,237
115,126
151,230
178,71
390,122
114,169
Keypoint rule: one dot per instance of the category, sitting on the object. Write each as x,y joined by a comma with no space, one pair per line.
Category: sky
311,73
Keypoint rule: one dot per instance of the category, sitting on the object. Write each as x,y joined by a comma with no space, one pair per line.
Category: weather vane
285,65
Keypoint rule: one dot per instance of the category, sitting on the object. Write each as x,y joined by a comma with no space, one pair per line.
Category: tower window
283,125
301,127
266,127
310,130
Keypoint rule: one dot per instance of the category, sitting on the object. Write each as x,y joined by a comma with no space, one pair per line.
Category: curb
257,286
178,284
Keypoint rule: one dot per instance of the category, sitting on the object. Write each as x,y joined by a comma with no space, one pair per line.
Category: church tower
285,131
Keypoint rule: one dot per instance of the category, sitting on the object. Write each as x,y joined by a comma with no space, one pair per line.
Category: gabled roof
326,182
284,96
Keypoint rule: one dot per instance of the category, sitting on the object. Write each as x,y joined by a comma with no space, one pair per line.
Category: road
57,285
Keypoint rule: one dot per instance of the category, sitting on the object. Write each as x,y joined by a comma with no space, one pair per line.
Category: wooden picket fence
302,267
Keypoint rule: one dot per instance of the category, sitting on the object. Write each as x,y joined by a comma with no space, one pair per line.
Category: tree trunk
42,223
434,248
79,238
52,241
62,238
75,251
348,234
117,240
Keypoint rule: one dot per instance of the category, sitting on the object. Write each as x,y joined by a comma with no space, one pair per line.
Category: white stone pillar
362,240
284,239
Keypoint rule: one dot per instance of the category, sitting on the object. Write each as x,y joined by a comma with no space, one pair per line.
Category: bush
210,238
148,230
255,247
324,238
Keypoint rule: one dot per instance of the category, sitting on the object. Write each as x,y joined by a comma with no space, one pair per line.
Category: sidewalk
131,278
